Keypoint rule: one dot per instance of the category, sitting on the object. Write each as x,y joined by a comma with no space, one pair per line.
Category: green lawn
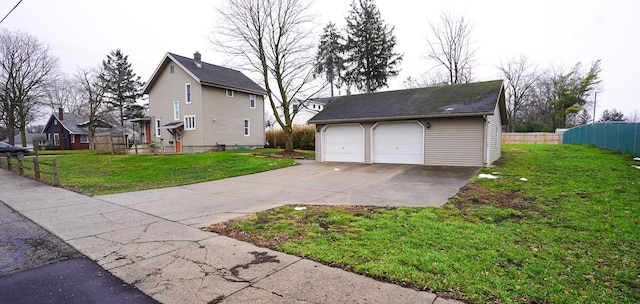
570,234
95,174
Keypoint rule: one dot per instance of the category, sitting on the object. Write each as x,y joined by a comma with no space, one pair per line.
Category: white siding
455,142
495,135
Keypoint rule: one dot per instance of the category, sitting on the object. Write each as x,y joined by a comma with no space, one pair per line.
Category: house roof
73,123
472,99
208,74
324,100
30,138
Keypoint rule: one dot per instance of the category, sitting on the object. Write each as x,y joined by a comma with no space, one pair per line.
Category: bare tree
26,69
65,93
93,91
521,76
450,46
273,38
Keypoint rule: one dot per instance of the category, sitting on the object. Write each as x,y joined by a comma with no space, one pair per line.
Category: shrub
304,138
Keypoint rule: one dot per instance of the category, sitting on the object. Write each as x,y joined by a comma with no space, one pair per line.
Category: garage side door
455,142
398,143
343,143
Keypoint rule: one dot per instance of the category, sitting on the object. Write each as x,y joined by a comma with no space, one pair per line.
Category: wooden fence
531,138
18,164
112,143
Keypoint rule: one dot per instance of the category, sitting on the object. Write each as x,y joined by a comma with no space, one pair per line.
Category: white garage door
398,143
343,143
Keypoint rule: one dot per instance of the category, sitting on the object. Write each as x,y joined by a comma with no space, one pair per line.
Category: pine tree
122,85
329,59
370,43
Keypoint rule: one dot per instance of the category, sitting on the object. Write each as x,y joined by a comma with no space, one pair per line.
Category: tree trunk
288,146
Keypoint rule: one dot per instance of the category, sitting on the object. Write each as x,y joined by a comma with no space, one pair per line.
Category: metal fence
616,136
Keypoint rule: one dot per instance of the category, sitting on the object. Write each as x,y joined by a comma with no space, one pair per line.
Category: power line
9,13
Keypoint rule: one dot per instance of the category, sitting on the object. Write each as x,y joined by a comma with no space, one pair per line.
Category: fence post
8,161
36,167
56,181
20,166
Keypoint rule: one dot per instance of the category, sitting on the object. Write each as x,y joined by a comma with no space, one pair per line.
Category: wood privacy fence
531,138
108,142
31,167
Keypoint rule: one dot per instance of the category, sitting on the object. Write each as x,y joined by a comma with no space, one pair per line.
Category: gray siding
367,141
319,143
455,142
495,136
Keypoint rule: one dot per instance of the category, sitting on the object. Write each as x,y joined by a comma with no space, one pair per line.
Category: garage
398,143
343,143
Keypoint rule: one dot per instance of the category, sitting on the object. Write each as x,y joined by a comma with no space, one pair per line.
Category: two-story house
195,106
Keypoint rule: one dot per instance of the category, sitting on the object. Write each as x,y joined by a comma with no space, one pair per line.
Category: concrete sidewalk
175,262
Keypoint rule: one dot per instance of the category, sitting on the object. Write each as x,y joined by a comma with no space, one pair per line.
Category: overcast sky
560,32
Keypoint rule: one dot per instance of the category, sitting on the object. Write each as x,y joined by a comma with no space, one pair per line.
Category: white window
252,101
187,93
229,93
158,128
176,110
189,122
56,137
55,122
73,138
84,139
247,126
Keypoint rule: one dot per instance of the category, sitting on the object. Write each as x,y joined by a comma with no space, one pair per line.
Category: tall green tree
122,86
329,59
571,90
371,60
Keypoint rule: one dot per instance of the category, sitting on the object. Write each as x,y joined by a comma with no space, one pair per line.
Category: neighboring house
454,125
196,106
69,131
308,109
30,138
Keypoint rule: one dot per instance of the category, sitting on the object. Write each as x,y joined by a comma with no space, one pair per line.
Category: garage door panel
398,143
344,143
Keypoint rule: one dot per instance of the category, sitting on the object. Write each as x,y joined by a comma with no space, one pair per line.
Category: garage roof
472,99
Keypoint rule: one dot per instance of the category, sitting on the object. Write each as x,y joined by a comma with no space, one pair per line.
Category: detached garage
453,125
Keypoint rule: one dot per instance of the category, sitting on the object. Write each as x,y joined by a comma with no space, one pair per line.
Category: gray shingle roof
73,123
215,75
473,99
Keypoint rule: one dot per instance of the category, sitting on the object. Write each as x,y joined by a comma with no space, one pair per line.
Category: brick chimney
197,59
60,114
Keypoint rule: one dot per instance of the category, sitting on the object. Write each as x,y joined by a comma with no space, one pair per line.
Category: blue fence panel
616,136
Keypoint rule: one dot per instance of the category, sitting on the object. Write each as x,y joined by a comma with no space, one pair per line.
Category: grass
95,174
570,234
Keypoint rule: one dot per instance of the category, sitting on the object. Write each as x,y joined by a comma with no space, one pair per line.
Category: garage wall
495,136
319,143
367,141
455,142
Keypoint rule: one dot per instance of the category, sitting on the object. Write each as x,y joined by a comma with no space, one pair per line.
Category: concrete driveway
202,204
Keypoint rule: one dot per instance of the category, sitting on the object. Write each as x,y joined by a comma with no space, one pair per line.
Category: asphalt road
38,267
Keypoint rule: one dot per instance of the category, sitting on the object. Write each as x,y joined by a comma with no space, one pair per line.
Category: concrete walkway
150,239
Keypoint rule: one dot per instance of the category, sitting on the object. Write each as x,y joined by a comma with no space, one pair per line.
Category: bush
304,138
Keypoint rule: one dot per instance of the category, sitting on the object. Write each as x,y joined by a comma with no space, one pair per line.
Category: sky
550,33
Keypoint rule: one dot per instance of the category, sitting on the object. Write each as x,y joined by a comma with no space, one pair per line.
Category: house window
252,101
314,105
247,125
189,122
176,110
319,107
73,138
187,93
158,128
295,108
55,122
56,138
229,93
84,139
171,69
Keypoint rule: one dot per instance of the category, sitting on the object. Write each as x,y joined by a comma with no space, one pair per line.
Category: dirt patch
229,229
477,194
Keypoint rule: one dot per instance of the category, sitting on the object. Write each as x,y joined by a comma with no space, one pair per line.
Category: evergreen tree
329,59
371,60
613,115
122,86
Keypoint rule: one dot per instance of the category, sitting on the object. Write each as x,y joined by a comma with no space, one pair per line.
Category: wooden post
56,181
8,161
20,166
36,167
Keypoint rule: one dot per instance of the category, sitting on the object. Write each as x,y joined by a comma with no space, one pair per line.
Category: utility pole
595,99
